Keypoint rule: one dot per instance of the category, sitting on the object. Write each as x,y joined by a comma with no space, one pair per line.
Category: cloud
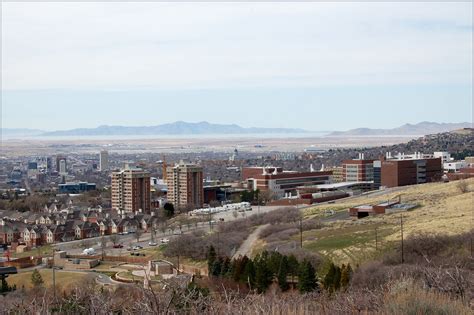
234,45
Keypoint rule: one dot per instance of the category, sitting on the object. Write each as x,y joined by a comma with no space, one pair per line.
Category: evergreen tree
226,267
216,268
36,278
328,281
293,266
282,274
248,275
263,276
5,287
238,269
211,258
346,274
337,279
307,277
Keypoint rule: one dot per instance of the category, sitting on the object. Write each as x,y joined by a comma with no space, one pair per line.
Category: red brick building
360,170
403,172
281,183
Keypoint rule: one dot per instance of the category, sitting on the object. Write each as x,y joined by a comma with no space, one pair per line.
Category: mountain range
420,129
176,128
206,128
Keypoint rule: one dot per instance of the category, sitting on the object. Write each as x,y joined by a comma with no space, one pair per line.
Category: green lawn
353,243
64,279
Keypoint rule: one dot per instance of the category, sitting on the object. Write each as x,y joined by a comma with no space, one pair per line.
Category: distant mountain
420,129
20,132
176,128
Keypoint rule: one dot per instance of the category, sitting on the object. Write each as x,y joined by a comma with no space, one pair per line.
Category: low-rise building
280,183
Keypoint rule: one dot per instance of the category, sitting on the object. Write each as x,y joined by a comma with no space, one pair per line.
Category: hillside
460,143
420,129
443,209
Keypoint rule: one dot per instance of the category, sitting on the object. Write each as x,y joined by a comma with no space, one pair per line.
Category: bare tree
114,239
138,233
103,246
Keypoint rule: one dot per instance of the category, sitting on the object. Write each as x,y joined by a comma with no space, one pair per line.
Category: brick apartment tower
185,185
131,190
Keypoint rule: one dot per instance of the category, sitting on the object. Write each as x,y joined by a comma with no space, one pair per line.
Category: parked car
152,244
118,246
164,241
137,247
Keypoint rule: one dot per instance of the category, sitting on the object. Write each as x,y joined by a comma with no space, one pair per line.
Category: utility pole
401,231
301,232
376,241
218,242
177,270
54,279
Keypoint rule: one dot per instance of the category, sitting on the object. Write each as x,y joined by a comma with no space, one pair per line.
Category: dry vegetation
443,208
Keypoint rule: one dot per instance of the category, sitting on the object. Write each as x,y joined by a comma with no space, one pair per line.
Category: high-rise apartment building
61,160
185,185
131,190
62,167
104,161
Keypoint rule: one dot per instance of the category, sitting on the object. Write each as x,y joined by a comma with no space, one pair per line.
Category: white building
454,167
62,167
445,156
104,161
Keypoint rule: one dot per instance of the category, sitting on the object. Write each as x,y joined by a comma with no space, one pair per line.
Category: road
247,245
75,247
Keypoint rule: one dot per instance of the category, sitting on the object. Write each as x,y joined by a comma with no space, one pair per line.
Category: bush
463,186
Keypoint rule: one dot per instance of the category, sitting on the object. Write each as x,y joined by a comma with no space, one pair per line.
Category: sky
316,66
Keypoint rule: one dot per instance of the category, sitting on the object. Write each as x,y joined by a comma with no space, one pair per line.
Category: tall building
60,159
131,190
104,161
185,185
49,164
62,167
359,170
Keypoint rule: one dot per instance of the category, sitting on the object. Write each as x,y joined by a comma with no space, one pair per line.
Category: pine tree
337,279
216,268
263,274
211,258
328,281
226,267
307,277
346,274
293,266
248,275
282,274
238,269
36,278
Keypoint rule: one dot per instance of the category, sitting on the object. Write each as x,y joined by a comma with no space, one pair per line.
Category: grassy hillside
443,209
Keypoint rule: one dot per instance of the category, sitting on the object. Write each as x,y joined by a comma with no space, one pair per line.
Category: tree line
273,267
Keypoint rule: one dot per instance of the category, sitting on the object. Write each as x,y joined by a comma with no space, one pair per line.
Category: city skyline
328,67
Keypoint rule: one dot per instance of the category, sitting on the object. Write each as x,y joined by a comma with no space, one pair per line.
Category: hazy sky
318,66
